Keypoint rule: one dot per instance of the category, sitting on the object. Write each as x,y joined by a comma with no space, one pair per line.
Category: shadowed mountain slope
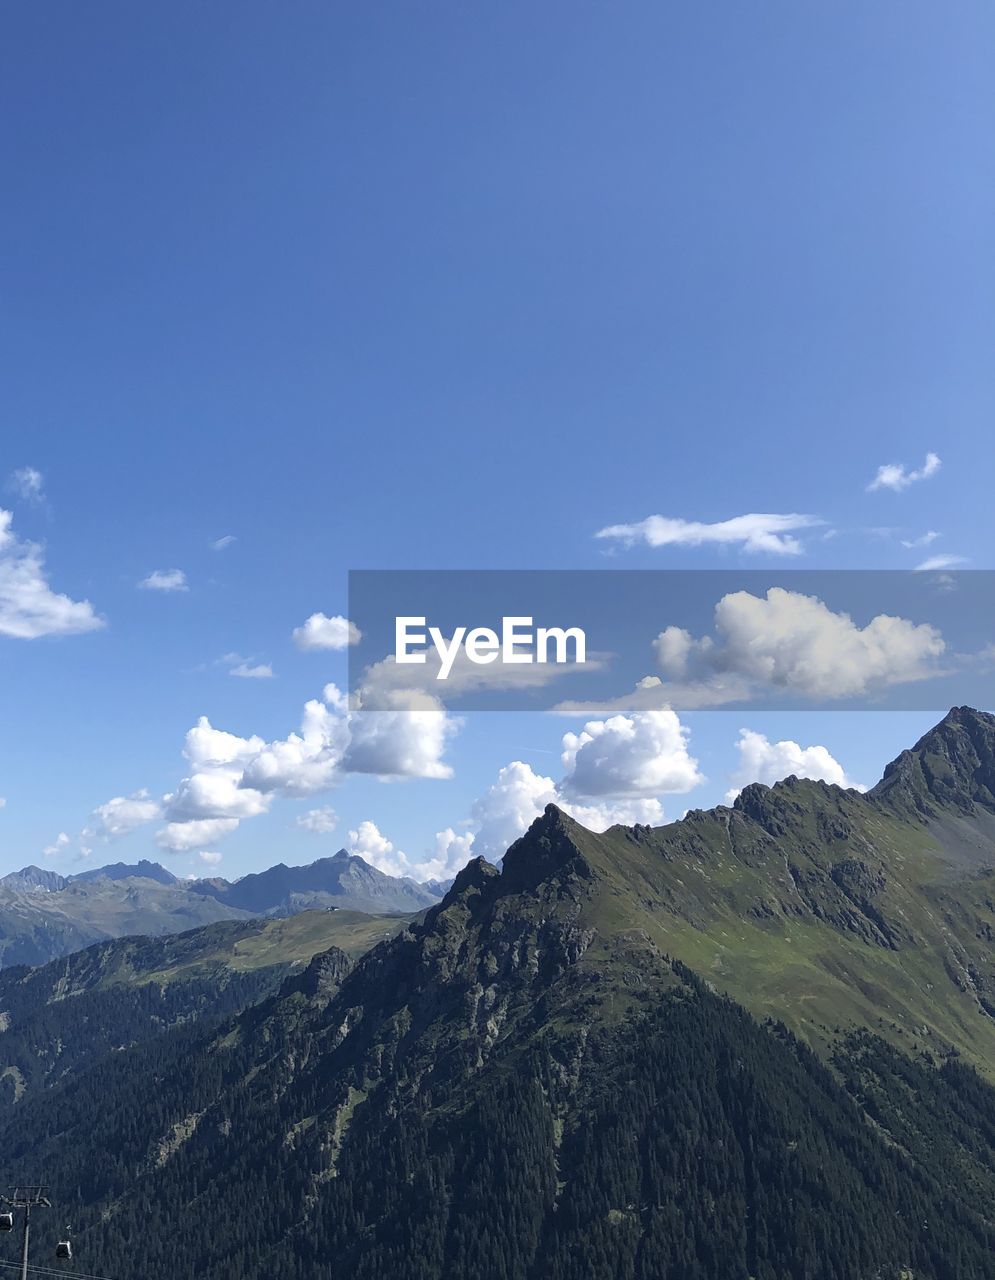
543,1077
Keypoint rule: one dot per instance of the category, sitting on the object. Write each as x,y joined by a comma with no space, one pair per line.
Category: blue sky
422,286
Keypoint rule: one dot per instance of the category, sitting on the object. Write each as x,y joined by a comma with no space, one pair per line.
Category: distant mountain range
44,915
758,1042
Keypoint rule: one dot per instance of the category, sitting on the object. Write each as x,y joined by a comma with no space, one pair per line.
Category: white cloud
28,483
791,641
403,734
894,476
120,816
924,540
29,608
612,770
182,837
647,811
165,580
319,822
233,778
211,858
368,843
754,532
506,809
219,544
453,850
59,845
761,760
247,670
645,754
305,762
940,562
322,632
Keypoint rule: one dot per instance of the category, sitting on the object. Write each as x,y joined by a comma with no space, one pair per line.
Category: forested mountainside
44,915
60,1018
755,1043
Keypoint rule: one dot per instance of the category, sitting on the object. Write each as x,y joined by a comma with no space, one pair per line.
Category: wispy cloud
219,544
895,475
319,822
252,671
924,540
940,562
247,668
28,483
59,845
165,580
756,532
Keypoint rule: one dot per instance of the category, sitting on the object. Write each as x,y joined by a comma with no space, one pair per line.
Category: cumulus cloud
761,760
614,771
182,837
322,632
59,845
755,532
940,562
233,778
452,851
895,475
511,804
28,483
368,843
211,858
507,807
319,822
791,641
165,580
403,733
29,608
120,816
210,801
645,754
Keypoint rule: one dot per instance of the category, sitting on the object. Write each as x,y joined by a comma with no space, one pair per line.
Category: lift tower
27,1198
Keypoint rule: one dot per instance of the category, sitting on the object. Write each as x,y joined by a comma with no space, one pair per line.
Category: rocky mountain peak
550,846
950,767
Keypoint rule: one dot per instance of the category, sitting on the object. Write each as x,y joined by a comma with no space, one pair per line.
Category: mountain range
755,1044
44,915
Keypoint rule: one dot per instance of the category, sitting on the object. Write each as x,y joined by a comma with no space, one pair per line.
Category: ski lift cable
56,1271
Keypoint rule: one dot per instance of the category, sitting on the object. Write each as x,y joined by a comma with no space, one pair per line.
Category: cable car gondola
6,1222
64,1249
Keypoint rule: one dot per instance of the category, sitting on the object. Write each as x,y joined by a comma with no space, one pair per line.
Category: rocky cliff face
950,768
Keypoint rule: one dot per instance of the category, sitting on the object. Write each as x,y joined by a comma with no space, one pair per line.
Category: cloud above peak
761,760
895,475
756,532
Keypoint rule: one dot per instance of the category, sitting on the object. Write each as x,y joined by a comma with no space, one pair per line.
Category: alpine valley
755,1044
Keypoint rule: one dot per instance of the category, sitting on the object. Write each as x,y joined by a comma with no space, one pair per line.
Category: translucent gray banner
598,642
